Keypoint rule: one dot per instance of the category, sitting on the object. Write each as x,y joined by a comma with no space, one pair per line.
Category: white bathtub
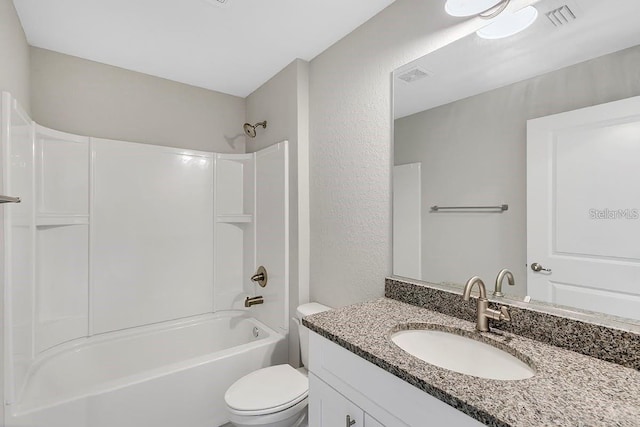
169,375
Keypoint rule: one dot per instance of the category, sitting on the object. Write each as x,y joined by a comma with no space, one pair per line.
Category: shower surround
126,269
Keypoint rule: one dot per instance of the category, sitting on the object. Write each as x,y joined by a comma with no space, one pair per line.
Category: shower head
250,130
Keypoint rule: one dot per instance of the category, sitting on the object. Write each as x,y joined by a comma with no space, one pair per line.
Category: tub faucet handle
260,277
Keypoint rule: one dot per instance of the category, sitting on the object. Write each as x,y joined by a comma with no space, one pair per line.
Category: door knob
350,422
537,268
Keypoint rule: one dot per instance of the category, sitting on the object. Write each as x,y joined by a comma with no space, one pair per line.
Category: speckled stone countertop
598,336
569,389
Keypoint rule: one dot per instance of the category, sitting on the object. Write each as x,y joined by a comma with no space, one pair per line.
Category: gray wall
284,102
14,55
350,131
350,151
88,98
473,152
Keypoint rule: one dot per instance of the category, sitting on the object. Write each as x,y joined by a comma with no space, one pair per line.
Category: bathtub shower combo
126,270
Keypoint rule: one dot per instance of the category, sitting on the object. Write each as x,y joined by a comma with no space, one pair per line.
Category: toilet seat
267,391
290,417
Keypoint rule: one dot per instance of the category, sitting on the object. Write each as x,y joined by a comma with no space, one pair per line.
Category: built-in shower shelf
235,218
49,220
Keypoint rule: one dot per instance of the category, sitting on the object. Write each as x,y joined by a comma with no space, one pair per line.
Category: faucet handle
501,314
504,313
260,277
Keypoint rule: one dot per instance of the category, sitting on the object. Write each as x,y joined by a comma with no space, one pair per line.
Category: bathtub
170,375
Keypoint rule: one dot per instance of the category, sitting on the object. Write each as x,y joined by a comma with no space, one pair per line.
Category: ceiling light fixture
509,24
484,8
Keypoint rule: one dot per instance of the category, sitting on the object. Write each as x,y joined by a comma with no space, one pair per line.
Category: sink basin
462,354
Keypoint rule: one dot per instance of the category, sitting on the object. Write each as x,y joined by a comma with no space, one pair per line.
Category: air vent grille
561,16
414,74
221,3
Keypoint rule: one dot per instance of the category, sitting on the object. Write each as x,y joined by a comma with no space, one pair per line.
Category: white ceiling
232,49
473,65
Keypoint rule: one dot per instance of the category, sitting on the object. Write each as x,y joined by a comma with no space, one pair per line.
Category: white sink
462,354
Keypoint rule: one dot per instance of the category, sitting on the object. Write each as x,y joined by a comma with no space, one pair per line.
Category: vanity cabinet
343,384
327,407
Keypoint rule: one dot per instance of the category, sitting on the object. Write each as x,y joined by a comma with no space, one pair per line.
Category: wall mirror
524,153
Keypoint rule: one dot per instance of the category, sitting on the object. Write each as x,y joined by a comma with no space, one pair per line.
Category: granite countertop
569,389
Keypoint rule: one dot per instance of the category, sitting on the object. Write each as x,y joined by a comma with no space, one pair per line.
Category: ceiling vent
561,16
220,3
413,74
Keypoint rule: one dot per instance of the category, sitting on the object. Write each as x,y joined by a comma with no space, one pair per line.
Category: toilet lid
268,390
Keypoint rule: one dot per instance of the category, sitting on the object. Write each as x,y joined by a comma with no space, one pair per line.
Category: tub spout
248,302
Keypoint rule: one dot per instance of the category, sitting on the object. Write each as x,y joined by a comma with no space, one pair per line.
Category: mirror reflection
524,153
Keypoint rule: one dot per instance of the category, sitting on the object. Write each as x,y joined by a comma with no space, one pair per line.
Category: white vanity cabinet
343,384
327,407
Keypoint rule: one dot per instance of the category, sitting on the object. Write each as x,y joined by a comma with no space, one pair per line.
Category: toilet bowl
275,396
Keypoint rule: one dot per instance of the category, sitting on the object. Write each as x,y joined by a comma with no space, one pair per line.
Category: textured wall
350,151
283,102
88,98
481,141
14,55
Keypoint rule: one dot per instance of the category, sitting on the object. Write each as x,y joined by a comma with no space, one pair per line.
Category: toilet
275,396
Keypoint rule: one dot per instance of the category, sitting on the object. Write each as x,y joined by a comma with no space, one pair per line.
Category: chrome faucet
248,302
484,312
503,273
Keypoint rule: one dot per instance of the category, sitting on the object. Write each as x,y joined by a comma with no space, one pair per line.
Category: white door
407,219
583,208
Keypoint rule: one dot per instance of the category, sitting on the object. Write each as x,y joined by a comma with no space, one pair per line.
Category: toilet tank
303,332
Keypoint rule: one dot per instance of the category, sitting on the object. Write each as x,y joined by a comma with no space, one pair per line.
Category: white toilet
275,396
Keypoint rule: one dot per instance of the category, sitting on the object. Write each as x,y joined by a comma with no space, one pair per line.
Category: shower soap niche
62,178
61,214
234,229
234,188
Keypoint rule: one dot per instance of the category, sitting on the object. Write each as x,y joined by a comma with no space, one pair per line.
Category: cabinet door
328,408
392,401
